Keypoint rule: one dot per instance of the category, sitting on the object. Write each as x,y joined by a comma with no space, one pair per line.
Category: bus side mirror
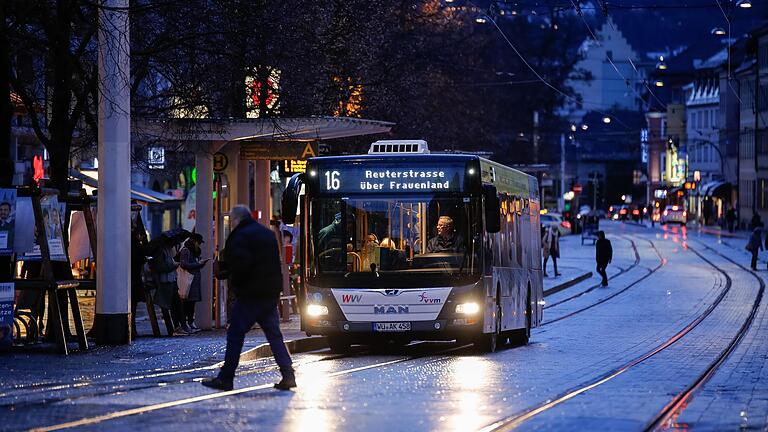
290,201
492,209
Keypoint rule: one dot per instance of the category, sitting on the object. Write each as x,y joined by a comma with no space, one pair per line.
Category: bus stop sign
220,162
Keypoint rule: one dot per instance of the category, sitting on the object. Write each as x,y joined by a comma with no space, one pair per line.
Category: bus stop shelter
248,145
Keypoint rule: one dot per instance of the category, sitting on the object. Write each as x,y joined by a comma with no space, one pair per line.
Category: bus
402,244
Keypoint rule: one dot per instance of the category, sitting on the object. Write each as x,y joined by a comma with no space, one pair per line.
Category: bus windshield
399,242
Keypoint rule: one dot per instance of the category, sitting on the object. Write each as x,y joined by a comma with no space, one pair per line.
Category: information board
7,220
387,179
6,314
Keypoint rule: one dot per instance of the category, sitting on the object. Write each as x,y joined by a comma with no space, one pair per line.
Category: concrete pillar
204,226
113,278
243,181
262,195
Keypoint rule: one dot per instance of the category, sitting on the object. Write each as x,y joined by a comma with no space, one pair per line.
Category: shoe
194,327
179,331
218,384
289,380
187,328
545,274
558,274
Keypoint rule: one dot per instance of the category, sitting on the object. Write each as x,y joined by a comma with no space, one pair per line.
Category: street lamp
718,31
584,127
661,65
745,4
606,119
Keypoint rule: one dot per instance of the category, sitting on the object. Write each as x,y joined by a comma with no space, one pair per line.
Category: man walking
252,265
603,255
755,245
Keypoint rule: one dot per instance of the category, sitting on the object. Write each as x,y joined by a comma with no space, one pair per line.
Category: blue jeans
244,315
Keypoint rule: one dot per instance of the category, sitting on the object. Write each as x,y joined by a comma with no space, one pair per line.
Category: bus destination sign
378,178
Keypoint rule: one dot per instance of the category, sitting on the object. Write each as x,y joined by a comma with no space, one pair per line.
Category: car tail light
674,208
685,213
666,212
610,209
566,224
623,211
635,212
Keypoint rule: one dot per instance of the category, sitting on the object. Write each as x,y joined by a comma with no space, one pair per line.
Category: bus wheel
489,342
338,344
521,337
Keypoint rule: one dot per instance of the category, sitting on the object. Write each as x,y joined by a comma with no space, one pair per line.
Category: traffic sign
220,162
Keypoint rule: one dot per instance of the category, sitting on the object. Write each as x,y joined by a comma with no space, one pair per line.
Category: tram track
662,262
665,418
598,285
87,421
679,401
142,385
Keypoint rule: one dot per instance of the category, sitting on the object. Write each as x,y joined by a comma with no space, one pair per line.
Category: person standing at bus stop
252,265
603,255
754,245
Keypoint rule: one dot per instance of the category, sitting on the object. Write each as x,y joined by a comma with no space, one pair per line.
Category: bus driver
445,240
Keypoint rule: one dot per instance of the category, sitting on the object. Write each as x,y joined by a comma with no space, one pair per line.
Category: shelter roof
261,129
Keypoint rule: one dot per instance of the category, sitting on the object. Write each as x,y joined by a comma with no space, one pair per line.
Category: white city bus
402,244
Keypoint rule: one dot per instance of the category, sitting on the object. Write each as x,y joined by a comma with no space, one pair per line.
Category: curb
296,346
568,284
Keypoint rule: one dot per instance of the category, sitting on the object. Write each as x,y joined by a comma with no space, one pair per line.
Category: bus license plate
392,327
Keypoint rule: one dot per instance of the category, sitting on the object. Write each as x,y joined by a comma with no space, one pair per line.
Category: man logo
390,309
391,292
351,298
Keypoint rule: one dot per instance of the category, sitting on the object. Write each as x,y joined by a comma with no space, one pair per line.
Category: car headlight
467,308
317,310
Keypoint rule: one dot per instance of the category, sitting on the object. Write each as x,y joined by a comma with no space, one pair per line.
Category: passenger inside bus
446,239
391,257
332,235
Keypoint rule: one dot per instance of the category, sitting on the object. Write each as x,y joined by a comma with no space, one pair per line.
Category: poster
7,220
6,314
53,234
188,210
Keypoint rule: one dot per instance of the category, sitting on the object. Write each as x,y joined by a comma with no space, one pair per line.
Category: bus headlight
467,308
317,310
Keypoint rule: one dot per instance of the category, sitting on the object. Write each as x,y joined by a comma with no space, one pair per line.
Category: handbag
184,282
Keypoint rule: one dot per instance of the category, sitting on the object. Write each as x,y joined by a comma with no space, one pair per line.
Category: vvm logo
351,298
424,298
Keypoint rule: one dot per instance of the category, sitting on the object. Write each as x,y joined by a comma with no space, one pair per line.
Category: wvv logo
351,298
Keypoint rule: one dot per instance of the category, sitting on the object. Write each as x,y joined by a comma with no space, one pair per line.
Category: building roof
262,129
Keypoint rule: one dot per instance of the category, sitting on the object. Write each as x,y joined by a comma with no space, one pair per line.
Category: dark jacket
755,242
190,261
603,251
252,261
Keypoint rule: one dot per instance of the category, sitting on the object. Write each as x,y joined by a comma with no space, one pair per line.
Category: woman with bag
191,292
166,296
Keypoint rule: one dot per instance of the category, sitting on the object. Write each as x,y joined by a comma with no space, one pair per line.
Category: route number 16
332,180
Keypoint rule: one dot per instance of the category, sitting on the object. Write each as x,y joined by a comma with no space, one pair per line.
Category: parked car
674,214
556,221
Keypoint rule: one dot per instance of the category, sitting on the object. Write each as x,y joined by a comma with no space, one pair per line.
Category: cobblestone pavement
634,343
